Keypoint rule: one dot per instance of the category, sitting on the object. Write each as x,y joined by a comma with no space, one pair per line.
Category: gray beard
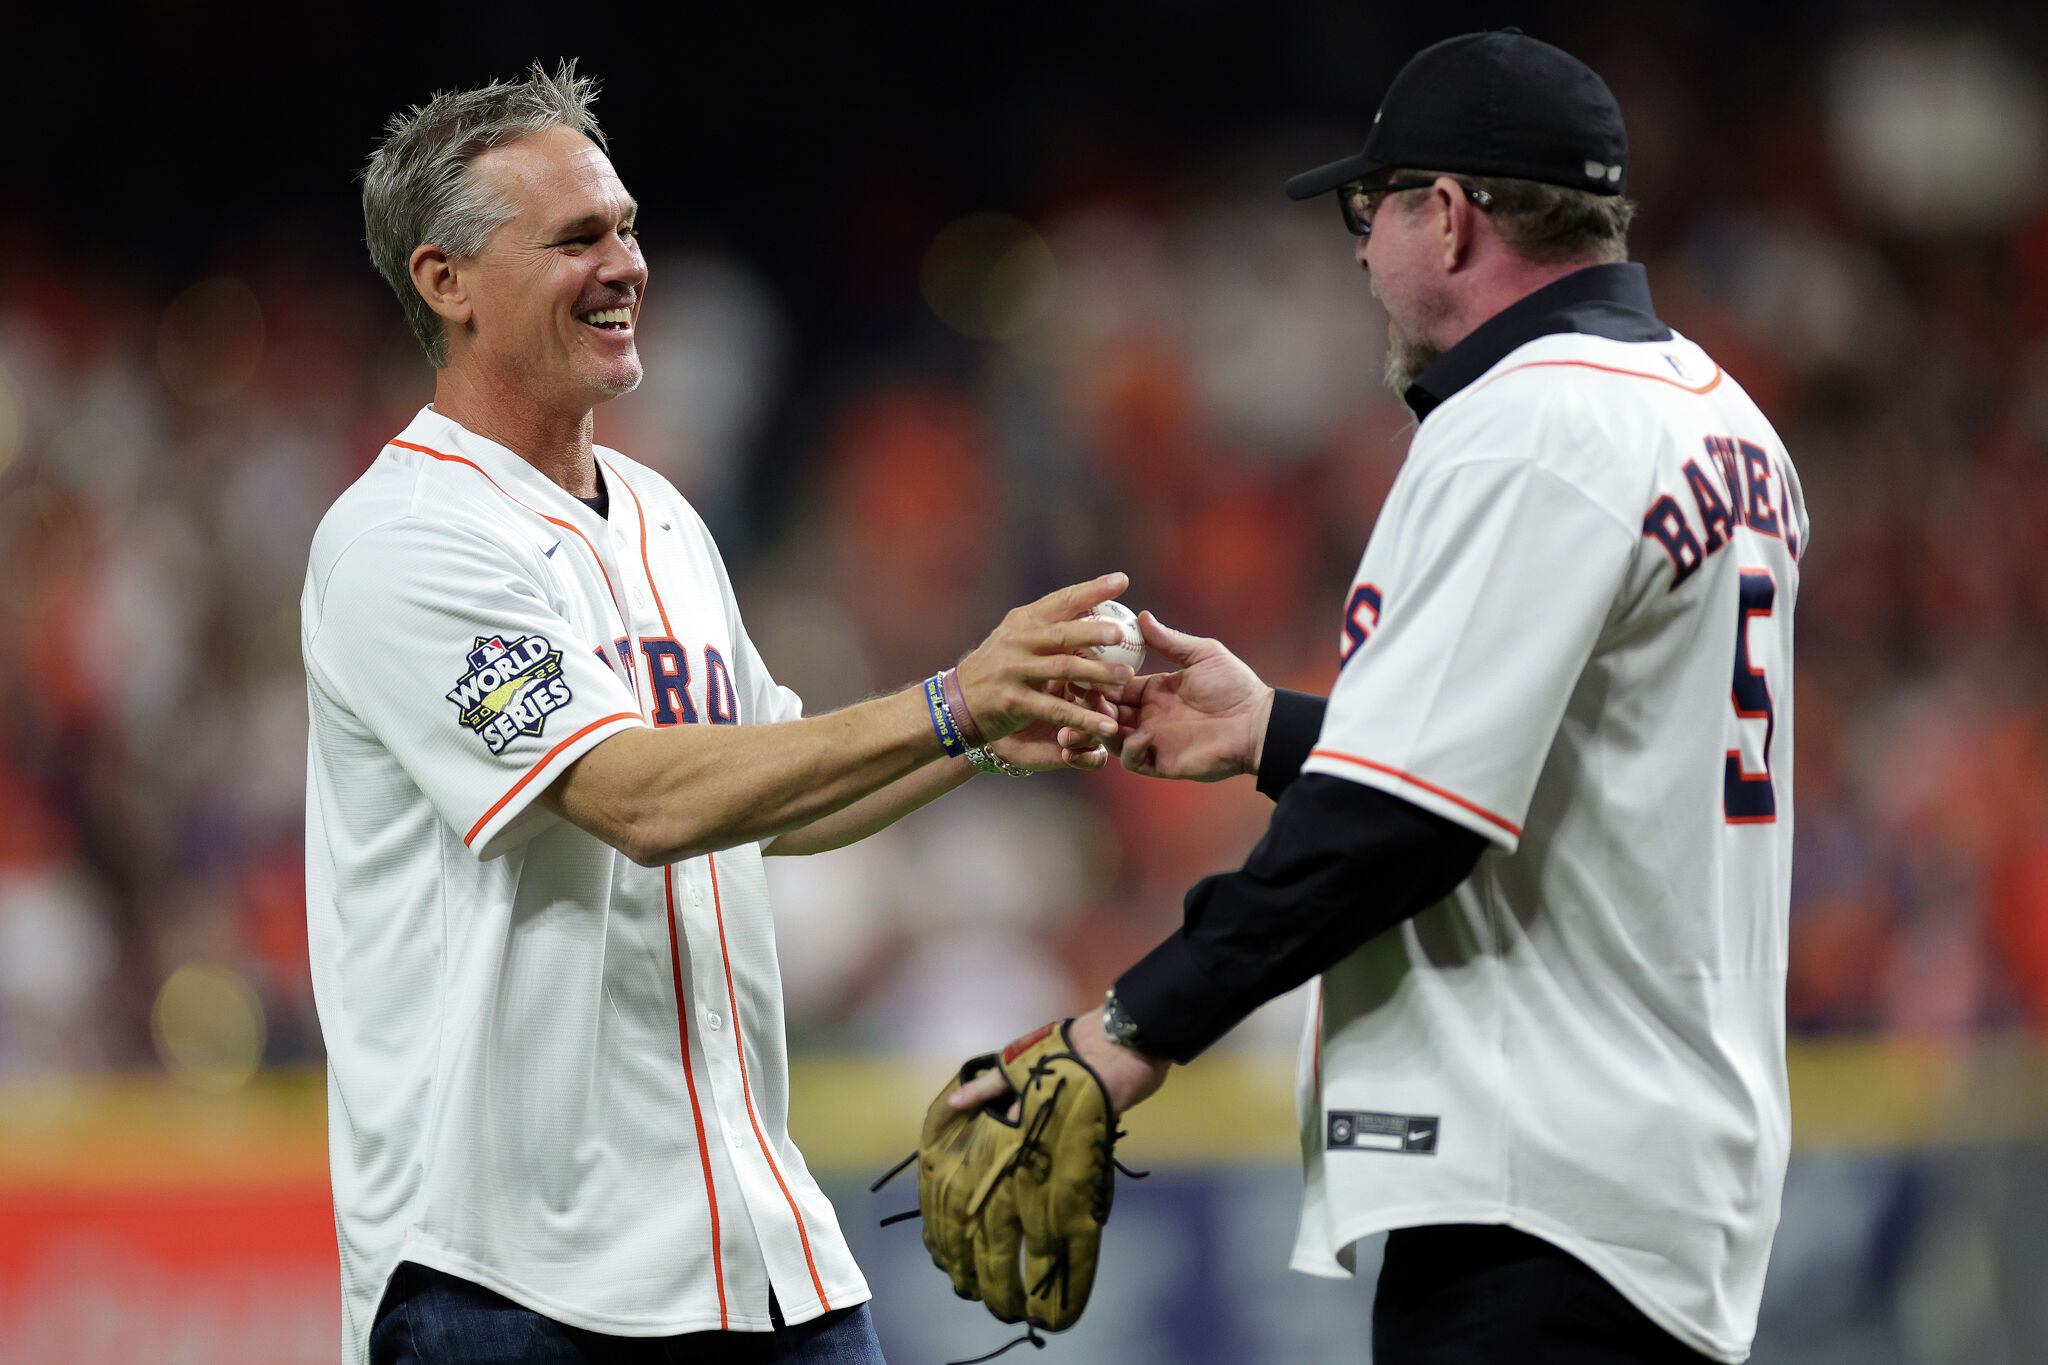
1405,360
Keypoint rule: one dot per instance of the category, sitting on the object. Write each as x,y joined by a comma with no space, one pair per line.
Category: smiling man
545,762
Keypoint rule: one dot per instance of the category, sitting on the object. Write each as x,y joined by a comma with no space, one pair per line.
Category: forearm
876,811
661,795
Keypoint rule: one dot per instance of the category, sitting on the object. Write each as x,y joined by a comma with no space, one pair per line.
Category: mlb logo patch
511,688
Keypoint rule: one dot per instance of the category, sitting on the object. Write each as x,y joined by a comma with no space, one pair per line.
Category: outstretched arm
660,795
1033,748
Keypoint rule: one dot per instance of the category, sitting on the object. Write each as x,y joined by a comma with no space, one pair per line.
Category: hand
1128,1075
1043,746
1015,676
1203,723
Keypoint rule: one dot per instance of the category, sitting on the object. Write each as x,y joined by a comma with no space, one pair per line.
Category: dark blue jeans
429,1317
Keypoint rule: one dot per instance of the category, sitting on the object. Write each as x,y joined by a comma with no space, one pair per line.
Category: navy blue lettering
1722,450
1761,516
719,697
1714,514
1749,798
668,681
1667,523
1361,618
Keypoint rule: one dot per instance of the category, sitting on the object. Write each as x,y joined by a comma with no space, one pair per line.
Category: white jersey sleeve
1461,654
451,652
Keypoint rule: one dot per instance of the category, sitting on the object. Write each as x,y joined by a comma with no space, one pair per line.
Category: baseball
1130,650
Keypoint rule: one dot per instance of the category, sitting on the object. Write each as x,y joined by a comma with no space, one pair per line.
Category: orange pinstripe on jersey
747,1093
675,958
1707,387
641,512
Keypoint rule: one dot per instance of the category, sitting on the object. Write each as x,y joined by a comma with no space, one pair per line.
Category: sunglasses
1359,201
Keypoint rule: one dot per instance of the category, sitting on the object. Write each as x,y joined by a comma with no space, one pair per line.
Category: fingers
1068,636
989,1085
1036,651
1107,700
1072,741
1077,599
1137,754
1164,639
1086,760
1058,712
1086,750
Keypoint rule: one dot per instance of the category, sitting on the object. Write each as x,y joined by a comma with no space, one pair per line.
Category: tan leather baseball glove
990,1184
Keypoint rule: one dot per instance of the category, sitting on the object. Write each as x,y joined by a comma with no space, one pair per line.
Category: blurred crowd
1182,384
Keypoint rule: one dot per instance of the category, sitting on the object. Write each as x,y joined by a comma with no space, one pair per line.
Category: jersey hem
1495,829
485,836
612,1324
1325,1265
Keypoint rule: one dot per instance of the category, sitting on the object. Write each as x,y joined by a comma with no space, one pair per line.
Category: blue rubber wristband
942,718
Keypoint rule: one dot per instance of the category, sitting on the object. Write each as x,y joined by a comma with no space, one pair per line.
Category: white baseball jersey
1571,633
551,1071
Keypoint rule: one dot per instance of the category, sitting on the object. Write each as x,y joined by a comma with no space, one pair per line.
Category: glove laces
1030,1335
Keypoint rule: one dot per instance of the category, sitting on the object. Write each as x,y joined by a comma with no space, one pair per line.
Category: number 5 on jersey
1748,797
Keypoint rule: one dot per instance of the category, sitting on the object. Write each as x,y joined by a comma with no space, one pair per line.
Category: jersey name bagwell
510,688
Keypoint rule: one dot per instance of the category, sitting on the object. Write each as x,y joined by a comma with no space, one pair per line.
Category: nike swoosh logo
550,551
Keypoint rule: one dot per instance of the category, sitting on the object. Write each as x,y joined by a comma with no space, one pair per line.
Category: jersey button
739,1142
713,1022
696,897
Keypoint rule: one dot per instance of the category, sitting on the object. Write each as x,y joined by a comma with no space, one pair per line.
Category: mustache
625,300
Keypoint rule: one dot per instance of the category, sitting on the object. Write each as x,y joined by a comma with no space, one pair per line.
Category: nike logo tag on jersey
550,551
1361,1130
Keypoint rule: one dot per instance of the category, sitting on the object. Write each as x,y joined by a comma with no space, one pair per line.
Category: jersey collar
511,472
1611,301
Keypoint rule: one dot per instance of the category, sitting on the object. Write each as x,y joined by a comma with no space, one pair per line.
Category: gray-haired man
545,763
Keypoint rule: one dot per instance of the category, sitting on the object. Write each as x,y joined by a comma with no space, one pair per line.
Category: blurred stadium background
943,315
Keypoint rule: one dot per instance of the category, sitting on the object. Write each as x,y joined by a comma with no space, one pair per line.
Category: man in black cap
1536,844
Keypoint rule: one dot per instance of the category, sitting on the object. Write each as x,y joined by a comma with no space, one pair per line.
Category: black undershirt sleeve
1291,730
1341,863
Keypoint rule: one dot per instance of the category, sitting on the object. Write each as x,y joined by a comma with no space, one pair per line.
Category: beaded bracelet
942,718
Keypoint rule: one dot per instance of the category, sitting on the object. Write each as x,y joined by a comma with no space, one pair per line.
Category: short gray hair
418,188
1555,224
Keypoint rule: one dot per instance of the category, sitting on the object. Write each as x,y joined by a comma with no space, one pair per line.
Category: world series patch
1364,1131
511,688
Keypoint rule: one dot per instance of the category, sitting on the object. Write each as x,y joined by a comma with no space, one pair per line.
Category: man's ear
1453,214
435,275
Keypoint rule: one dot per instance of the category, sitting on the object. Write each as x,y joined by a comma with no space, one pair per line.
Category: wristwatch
1119,1027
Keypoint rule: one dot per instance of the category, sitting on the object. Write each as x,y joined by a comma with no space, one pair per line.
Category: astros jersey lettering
551,1071
1571,632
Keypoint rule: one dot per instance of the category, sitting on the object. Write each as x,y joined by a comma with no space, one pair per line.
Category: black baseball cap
1491,104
